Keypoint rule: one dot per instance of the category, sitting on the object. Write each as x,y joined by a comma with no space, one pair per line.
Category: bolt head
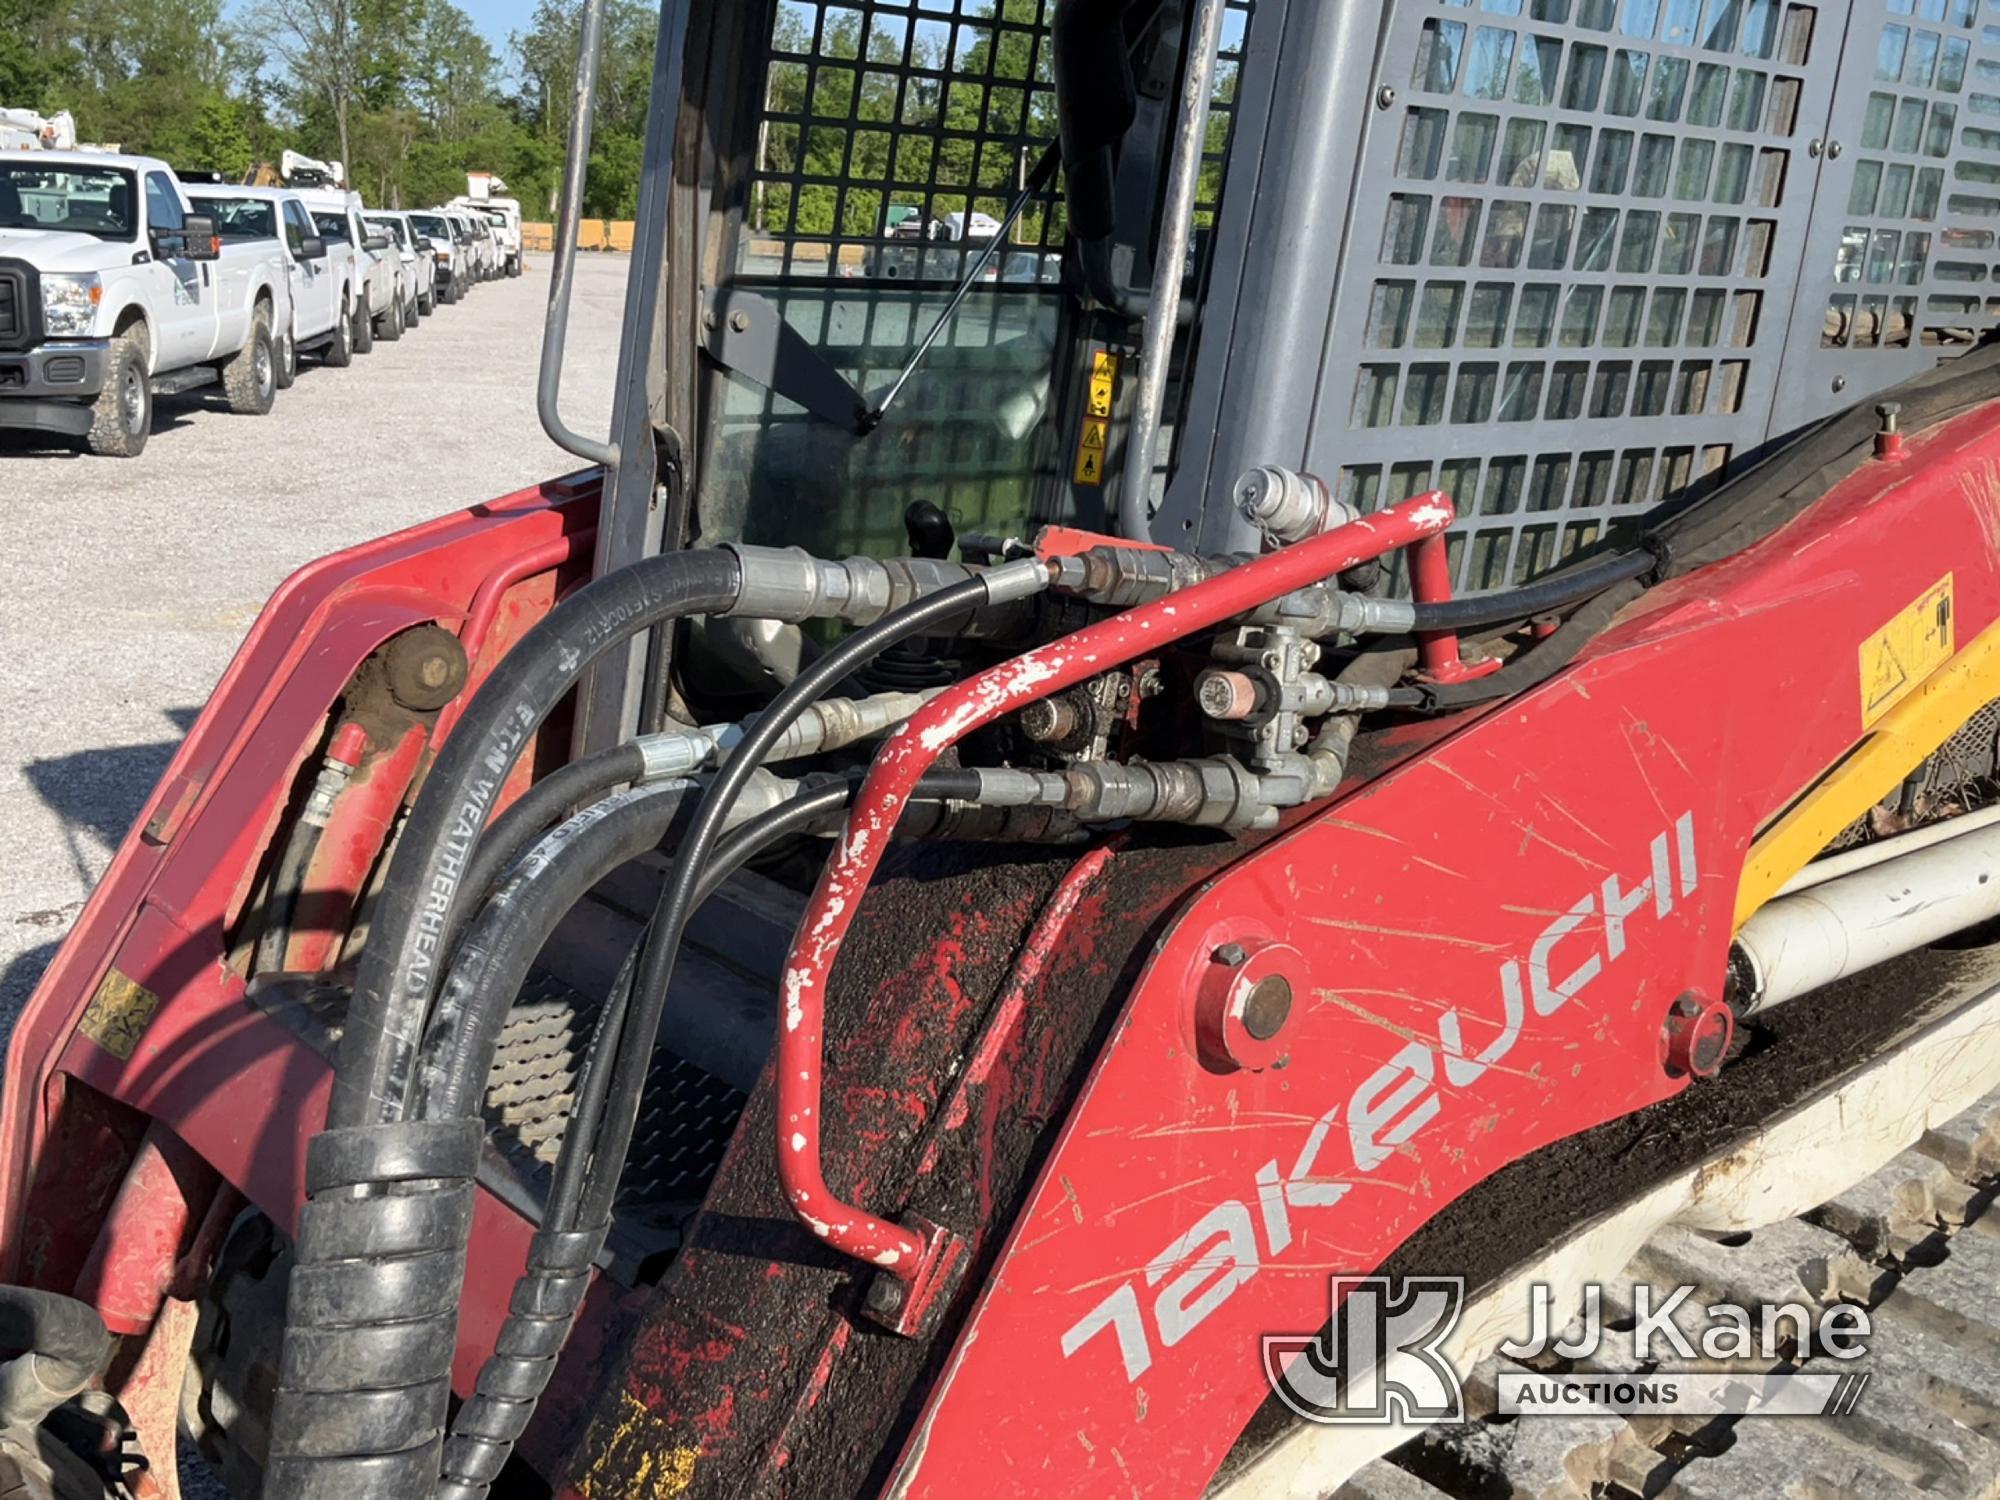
1384,97
739,321
1231,955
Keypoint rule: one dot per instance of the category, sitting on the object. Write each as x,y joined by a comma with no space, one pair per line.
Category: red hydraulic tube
911,751
1437,650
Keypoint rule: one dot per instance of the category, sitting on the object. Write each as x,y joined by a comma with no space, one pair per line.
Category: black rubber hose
67,1339
415,915
500,944
364,1375
1534,667
288,883
551,1289
1547,595
545,803
809,812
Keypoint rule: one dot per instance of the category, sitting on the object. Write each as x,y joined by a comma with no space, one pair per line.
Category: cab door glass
163,205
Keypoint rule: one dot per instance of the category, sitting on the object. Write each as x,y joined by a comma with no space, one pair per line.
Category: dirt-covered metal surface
753,1370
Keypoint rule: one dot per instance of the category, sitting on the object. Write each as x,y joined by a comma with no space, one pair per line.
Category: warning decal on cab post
1899,656
1090,443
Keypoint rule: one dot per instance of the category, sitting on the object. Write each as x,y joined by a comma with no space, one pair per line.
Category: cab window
163,204
333,228
297,229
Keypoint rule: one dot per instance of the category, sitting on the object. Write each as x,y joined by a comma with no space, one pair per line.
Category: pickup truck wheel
250,378
426,303
287,366
513,266
121,418
389,327
340,352
364,327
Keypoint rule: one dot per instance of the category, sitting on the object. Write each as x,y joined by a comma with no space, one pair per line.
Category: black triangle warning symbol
1886,674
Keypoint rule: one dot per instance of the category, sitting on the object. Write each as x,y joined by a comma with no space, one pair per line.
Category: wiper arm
1043,174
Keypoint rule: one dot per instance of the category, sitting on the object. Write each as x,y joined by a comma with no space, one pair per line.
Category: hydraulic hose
500,944
551,1290
287,885
1556,591
1733,516
813,811
364,1378
62,1344
547,802
413,919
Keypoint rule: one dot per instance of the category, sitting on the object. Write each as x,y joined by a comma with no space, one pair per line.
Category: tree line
407,93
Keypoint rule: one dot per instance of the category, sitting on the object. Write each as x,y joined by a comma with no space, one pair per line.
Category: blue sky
497,18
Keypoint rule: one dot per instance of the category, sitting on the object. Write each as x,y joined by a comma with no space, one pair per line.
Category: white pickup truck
322,284
414,283
113,290
337,214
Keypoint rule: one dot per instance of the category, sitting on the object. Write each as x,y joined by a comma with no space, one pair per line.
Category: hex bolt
1267,1007
885,1296
1231,955
740,321
1890,412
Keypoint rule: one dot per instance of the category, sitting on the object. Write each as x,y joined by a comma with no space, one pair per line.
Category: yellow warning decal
1090,450
1899,656
1103,381
1096,418
118,1014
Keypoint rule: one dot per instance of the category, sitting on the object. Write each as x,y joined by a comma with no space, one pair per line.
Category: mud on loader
1374,682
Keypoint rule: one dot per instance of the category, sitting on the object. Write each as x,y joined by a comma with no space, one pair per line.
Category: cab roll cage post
620,693
555,329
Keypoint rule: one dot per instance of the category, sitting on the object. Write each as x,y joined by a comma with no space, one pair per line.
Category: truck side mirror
198,238
312,247
376,242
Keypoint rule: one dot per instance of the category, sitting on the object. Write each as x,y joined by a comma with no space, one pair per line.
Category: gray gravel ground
127,584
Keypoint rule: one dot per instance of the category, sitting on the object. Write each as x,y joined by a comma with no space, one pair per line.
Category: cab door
315,290
184,295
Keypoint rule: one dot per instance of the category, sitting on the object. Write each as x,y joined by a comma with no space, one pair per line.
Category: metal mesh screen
1579,262
892,135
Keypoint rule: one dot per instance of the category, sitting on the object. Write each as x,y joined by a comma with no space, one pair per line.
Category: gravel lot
129,583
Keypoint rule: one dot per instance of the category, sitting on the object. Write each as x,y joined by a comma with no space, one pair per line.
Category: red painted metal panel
1491,937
